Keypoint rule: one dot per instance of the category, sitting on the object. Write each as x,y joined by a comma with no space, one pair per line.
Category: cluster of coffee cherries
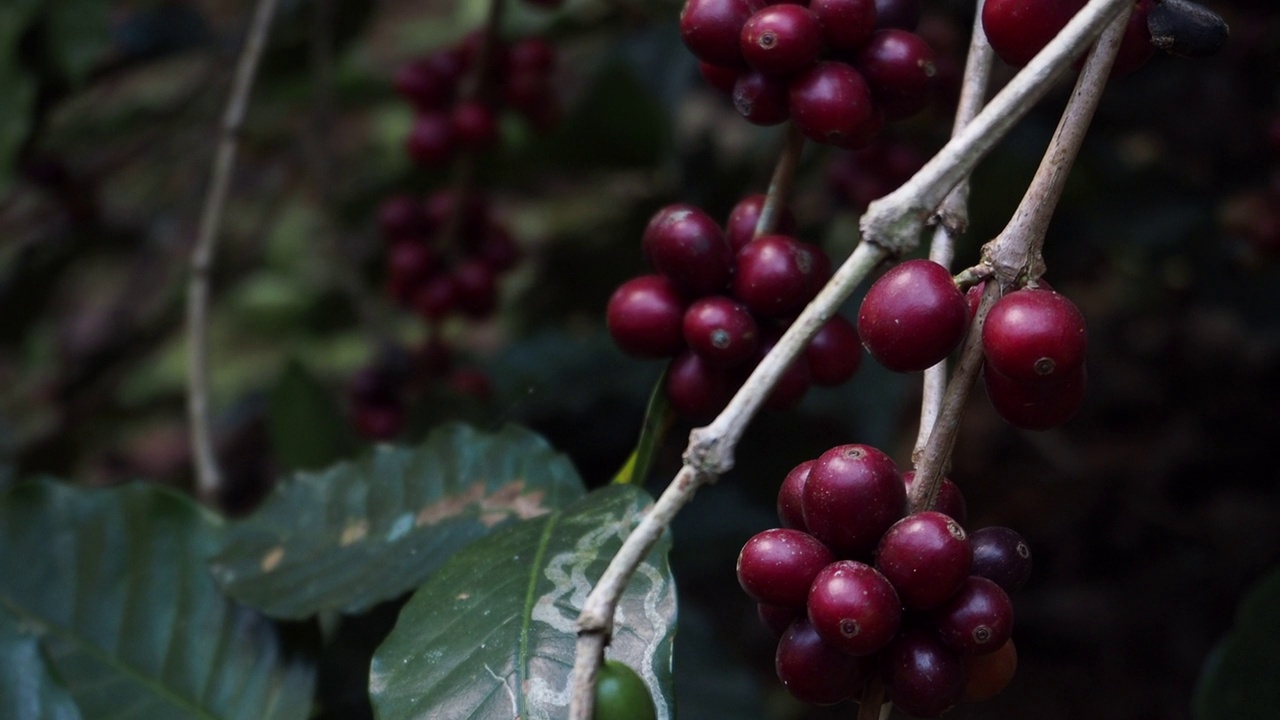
853,585
518,78
1019,29
1033,340
857,178
720,300
838,69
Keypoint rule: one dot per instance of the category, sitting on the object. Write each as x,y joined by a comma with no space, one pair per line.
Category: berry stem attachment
208,475
870,706
784,174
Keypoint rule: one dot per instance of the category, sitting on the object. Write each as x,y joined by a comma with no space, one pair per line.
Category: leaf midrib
526,614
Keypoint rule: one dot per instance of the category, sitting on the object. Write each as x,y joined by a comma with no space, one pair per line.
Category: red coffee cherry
1135,47
1002,556
950,501
1019,29
913,316
901,14
777,618
1035,406
986,675
694,389
712,29
792,384
436,298
922,676
782,39
409,264
474,125
831,104
926,556
722,332
978,619
1034,336
813,671
777,566
499,250
760,99
686,245
439,208
834,353
400,217
900,67
773,276
477,288
791,497
429,83
852,496
431,140
846,24
741,227
854,608
645,317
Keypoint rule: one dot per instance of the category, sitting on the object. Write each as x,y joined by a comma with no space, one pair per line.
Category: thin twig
784,174
953,215
872,700
208,476
1017,246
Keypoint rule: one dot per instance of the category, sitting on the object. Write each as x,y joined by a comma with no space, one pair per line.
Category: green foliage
1241,679
17,86
491,634
114,583
78,34
307,428
28,691
366,531
622,695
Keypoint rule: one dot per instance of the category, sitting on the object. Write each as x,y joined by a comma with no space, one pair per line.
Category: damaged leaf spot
354,532
494,507
272,559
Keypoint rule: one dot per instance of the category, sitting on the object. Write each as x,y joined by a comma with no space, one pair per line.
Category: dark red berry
720,77
1035,406
986,675
1135,47
813,671
531,55
777,566
901,14
1033,336
760,99
794,382
821,264
474,125
1002,556
499,250
978,619
913,316
831,104
1018,29
922,676
950,500
900,67
477,288
409,264
777,618
791,497
846,24
645,317
926,556
696,390
712,29
854,608
439,207
400,217
686,245
741,227
436,298
782,39
853,494
773,276
429,83
721,331
431,140
834,353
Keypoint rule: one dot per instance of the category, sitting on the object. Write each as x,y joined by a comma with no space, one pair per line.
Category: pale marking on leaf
449,507
515,706
463,596
354,532
490,519
272,559
400,527
495,506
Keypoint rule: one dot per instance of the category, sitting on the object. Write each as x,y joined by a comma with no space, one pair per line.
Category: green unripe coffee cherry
622,695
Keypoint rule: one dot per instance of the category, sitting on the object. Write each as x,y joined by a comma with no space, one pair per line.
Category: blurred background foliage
1152,513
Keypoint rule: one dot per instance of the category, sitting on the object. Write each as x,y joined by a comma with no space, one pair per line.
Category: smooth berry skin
922,676
780,40
1033,336
620,692
432,139
777,618
835,352
696,390
1035,406
400,217
712,29
719,77
791,497
854,608
474,125
813,671
760,99
900,67
686,245
741,226
926,556
831,104
987,675
777,566
429,83
772,277
950,500
794,382
901,14
1019,29
913,316
852,496
978,619
1135,47
721,331
645,317
846,24
1002,556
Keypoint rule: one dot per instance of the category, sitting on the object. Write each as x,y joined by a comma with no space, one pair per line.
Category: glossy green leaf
115,583
307,428
28,691
370,530
491,635
658,418
1241,679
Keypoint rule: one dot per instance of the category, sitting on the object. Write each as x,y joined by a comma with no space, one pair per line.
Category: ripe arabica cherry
721,331
813,671
696,390
773,274
645,317
777,566
1002,556
831,104
686,245
712,29
1033,336
791,496
900,67
926,556
834,353
1019,29
978,619
854,608
913,316
853,494
1036,405
741,227
781,39
846,24
922,676
761,99
950,500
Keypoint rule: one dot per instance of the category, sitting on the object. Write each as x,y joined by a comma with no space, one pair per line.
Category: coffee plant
510,333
